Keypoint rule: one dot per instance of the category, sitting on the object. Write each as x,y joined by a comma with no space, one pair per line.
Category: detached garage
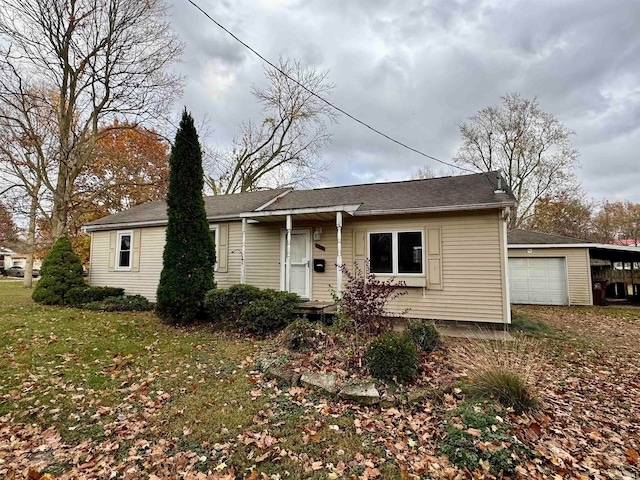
540,281
547,269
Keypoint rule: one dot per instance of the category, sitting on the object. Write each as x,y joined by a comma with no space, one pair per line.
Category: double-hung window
124,250
213,230
397,252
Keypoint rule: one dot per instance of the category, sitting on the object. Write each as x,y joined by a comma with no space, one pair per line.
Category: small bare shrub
502,371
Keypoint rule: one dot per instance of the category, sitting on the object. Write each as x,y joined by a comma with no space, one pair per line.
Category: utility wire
335,107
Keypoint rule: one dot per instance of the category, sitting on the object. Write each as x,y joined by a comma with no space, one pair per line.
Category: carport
615,273
547,269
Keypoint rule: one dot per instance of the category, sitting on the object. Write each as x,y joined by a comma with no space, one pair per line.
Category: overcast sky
415,69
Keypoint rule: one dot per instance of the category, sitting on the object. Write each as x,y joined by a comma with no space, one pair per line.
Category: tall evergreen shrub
61,271
189,255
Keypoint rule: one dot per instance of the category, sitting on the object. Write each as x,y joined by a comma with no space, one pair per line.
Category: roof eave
149,223
442,208
602,246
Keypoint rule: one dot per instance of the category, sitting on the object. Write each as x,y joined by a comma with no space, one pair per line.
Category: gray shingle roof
466,190
531,237
215,206
446,193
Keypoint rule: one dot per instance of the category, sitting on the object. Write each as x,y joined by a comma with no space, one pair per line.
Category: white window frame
119,236
394,251
214,228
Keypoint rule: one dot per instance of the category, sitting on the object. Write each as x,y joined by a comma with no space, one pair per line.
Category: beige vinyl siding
473,286
578,269
472,283
262,248
143,282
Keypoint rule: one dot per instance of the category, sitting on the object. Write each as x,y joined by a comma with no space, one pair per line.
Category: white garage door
541,281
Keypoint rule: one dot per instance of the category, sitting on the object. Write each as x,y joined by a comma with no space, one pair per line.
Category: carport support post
339,257
287,265
243,268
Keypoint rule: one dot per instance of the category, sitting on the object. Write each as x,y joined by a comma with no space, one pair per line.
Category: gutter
148,223
445,208
602,246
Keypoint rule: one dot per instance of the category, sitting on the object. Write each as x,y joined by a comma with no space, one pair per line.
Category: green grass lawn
86,394
128,378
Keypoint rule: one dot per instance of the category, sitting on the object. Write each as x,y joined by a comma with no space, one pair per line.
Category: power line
335,107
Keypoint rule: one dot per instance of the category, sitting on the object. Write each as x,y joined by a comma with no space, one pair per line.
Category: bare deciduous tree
102,58
283,149
531,147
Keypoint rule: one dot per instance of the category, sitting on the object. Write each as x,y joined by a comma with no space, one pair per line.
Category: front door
300,263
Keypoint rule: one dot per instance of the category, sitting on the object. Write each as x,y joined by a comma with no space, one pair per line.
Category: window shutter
135,251
113,236
360,248
223,248
434,259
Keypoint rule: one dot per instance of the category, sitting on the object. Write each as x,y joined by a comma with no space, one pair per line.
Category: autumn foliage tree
8,229
562,215
189,255
101,60
617,222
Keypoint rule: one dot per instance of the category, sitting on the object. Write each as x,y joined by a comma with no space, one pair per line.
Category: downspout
505,256
243,267
287,267
339,257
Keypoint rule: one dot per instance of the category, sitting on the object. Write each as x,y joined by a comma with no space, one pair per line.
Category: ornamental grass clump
503,371
393,357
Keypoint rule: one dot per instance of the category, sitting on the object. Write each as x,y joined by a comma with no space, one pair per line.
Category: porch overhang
324,214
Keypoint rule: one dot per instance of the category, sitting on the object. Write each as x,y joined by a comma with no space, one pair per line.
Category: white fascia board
149,223
601,246
350,209
444,208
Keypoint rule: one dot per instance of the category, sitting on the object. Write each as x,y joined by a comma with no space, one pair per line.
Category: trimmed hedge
248,308
129,303
393,357
78,296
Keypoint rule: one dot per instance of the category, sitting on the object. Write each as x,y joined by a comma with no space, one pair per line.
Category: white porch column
243,267
339,257
287,267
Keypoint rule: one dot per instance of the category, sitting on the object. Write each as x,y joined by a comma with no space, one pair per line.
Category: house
444,237
550,269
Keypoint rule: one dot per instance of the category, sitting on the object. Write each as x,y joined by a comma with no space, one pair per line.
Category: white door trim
283,259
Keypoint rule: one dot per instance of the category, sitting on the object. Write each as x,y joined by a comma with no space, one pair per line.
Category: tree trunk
60,213
31,237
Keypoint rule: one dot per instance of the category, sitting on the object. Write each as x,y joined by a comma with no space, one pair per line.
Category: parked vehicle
18,271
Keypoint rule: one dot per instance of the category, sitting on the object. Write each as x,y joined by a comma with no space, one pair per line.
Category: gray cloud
415,69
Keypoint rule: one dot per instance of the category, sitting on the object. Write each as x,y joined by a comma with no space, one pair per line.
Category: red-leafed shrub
365,299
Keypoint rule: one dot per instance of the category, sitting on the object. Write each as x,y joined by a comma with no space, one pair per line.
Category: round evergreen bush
424,334
271,312
393,357
61,271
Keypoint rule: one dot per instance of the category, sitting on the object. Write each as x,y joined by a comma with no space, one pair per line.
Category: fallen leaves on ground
69,412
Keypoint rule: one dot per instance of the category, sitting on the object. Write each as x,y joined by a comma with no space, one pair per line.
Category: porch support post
243,267
287,267
339,257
